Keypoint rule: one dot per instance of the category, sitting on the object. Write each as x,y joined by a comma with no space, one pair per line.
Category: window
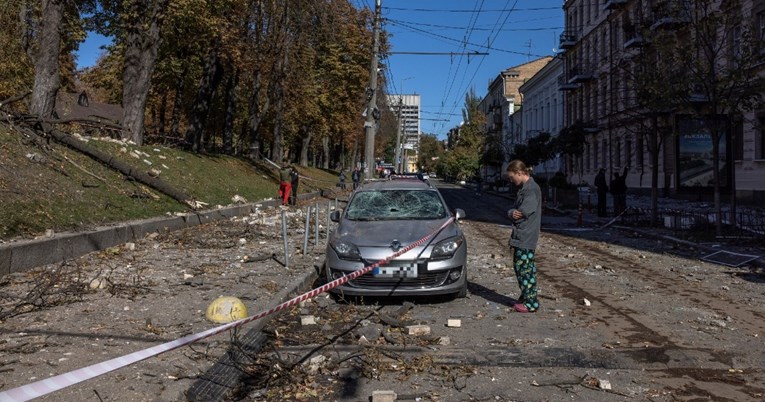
760,140
639,155
617,153
594,155
628,151
587,156
761,26
736,45
604,153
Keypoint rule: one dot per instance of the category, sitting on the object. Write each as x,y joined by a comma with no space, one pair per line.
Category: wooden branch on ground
15,98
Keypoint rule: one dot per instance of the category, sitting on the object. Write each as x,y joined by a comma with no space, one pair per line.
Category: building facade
542,111
611,47
502,100
407,108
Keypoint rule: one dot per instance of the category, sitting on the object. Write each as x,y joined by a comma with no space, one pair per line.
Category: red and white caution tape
61,381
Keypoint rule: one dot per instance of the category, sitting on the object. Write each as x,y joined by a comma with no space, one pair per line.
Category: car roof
404,184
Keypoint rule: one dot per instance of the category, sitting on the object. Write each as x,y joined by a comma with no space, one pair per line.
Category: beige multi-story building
604,45
500,103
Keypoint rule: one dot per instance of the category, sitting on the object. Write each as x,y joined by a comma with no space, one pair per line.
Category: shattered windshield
396,204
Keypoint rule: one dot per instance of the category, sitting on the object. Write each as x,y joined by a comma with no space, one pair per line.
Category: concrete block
35,253
110,237
454,322
384,396
418,330
74,245
157,225
210,216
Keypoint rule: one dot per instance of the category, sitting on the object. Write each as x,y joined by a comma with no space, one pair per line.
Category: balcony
580,73
564,85
667,14
612,4
632,37
567,40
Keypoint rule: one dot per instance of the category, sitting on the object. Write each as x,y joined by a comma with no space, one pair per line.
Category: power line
429,10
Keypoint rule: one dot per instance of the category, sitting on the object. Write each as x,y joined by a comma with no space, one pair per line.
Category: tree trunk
228,120
279,83
143,39
125,168
256,113
201,109
325,152
47,77
306,144
654,151
178,106
162,118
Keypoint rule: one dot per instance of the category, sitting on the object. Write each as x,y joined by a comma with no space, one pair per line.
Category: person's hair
518,166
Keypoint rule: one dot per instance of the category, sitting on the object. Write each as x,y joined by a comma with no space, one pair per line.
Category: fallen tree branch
15,98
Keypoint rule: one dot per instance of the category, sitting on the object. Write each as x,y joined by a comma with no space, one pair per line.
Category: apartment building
502,100
612,52
407,107
542,111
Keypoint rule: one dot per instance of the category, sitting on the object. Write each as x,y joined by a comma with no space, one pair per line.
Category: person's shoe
520,308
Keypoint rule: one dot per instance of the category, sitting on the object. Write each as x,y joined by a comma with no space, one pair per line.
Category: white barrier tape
52,384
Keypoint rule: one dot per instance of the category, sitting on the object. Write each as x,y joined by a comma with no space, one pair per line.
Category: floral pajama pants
526,273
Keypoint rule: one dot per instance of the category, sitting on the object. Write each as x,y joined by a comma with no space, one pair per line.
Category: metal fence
748,225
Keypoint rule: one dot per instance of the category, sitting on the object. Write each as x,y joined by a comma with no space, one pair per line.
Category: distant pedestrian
600,184
526,215
356,177
285,187
294,181
619,191
341,177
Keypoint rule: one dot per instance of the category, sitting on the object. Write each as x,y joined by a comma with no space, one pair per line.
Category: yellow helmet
226,309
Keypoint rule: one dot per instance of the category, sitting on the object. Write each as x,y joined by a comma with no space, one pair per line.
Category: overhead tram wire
414,23
489,45
429,10
466,38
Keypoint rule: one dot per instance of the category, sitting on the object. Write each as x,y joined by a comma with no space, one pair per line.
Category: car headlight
346,250
446,248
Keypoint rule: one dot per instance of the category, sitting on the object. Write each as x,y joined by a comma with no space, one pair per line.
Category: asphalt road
623,317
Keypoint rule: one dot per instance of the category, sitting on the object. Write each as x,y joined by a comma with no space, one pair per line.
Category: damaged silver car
384,217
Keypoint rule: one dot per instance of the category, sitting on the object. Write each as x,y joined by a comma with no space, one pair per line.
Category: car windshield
396,204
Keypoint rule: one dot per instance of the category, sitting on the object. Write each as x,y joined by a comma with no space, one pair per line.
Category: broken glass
396,204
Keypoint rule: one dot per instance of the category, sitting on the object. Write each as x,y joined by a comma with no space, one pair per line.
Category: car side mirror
335,216
459,213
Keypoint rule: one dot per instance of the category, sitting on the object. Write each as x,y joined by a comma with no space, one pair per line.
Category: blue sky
512,32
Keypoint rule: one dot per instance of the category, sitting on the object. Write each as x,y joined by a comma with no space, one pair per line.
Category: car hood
382,233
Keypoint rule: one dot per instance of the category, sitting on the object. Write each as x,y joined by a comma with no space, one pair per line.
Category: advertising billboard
695,155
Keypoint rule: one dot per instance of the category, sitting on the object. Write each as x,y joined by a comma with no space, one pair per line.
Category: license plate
406,271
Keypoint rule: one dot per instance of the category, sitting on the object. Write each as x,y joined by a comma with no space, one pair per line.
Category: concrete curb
26,254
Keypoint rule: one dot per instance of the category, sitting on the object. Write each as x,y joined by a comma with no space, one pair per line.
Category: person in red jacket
285,187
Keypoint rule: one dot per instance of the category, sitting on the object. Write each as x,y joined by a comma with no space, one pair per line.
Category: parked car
383,217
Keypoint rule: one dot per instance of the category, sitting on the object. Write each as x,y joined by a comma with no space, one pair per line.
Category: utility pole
372,112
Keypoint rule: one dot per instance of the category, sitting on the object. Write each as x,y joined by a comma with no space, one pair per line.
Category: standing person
341,177
294,181
356,177
526,215
285,187
600,183
620,194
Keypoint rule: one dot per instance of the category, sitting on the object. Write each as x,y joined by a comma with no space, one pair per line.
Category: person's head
602,170
518,172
